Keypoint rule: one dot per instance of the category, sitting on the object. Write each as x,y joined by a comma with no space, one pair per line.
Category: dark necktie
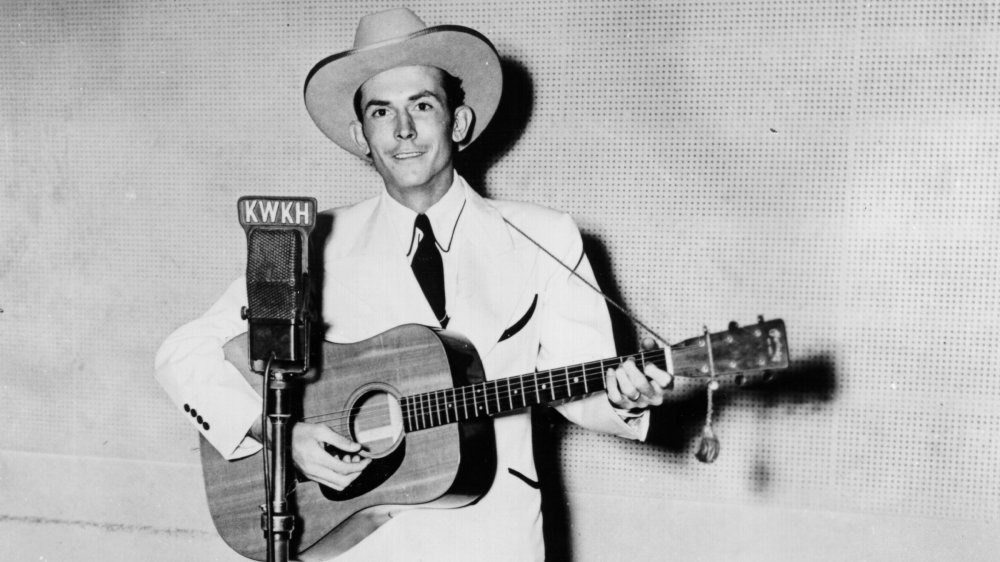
429,270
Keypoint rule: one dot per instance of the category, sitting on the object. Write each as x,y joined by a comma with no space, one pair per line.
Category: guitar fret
465,404
524,399
486,399
425,405
510,395
570,390
552,386
603,371
584,375
538,393
496,394
447,406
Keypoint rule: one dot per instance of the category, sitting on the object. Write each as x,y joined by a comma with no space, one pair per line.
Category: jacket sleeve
210,391
575,329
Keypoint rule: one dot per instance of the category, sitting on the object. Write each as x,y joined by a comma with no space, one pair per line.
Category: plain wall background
832,163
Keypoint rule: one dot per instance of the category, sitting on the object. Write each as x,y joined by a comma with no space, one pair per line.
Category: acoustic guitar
417,400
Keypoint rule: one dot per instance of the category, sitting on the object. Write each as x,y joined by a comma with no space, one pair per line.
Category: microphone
277,310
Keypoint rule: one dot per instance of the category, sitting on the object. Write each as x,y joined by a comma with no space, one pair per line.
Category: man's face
409,130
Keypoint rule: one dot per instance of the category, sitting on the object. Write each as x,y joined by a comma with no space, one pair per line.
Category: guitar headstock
758,347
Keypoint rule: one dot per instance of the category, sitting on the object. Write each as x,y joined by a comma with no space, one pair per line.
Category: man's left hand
630,388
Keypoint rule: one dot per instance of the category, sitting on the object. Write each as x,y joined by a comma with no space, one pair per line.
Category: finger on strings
331,437
662,378
632,382
349,464
611,387
649,344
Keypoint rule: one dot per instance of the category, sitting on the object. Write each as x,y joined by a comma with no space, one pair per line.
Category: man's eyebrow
376,103
424,93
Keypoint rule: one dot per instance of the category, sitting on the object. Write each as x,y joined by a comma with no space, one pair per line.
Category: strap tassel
708,449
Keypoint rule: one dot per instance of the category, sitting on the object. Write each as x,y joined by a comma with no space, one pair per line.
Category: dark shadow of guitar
674,426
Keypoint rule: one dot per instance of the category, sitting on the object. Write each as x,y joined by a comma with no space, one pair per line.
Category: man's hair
453,92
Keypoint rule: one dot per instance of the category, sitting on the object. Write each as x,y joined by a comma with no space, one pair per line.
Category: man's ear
358,134
464,117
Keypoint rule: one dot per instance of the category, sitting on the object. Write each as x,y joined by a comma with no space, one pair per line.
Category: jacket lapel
491,275
371,288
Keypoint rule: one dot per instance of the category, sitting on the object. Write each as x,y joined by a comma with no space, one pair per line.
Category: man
409,97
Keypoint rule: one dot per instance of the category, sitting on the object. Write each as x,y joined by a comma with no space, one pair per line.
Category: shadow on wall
508,124
807,381
676,427
810,380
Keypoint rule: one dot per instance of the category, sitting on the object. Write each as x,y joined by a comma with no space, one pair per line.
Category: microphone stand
277,521
277,279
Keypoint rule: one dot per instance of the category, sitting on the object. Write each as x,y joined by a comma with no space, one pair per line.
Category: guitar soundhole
376,420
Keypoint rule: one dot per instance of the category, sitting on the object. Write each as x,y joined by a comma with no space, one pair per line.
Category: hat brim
463,52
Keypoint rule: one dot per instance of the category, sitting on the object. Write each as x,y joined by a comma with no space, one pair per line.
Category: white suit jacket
504,282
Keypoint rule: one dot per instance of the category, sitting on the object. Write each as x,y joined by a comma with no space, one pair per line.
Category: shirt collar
443,215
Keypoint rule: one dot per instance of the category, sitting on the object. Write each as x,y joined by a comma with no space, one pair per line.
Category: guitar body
446,466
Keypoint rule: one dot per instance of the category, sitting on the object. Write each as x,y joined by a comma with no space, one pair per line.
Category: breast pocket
521,323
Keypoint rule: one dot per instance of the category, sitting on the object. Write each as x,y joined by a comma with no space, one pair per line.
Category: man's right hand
310,456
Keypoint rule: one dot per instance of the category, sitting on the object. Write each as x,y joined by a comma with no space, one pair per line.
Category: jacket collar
490,277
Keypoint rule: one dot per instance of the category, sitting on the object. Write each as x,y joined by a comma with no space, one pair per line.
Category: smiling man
428,250
408,127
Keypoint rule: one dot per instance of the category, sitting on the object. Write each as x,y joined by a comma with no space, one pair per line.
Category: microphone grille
274,267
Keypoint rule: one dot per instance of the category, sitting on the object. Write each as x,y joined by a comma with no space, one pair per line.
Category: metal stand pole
277,522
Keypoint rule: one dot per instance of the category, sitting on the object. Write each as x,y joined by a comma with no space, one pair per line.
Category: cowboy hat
399,38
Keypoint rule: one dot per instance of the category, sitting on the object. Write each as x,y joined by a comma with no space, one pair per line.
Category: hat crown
383,26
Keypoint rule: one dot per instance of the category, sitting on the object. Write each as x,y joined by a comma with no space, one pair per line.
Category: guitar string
428,403
589,370
428,406
436,403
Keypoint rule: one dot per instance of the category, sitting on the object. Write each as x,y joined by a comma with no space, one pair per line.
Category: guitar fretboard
489,398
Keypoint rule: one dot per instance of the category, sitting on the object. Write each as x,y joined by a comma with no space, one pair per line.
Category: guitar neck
490,398
736,350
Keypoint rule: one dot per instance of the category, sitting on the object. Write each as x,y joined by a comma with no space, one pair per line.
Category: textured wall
834,163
